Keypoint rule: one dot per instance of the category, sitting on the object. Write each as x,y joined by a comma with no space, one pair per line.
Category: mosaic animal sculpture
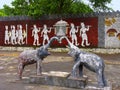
34,56
89,60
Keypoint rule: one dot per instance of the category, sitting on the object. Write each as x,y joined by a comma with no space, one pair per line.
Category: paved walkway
55,62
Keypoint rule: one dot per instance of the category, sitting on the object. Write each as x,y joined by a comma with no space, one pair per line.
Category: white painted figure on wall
16,35
7,35
13,35
73,32
35,32
20,35
44,33
83,34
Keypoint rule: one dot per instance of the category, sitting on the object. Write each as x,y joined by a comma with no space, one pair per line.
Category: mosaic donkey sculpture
34,56
90,61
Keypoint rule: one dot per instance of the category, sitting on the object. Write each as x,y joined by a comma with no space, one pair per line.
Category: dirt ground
54,62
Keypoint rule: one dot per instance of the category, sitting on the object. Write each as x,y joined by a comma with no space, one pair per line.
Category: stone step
58,79
63,79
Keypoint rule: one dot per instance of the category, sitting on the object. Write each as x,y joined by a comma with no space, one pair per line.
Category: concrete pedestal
58,79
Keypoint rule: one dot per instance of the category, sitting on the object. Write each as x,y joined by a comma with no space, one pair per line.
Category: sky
115,4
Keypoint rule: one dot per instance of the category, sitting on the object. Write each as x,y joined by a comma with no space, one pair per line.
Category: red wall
92,33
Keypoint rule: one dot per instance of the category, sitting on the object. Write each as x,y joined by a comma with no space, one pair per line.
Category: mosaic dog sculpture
91,61
33,56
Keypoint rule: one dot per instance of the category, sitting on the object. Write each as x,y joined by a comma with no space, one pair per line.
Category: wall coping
57,16
94,50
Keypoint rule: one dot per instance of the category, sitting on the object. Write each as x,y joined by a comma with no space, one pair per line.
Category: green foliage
2,12
100,5
36,8
8,10
80,7
20,7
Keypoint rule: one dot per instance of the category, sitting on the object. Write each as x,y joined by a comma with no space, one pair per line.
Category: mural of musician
44,33
7,36
13,35
72,33
16,35
20,35
83,34
35,32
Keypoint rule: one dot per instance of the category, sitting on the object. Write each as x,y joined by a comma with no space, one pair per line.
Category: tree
100,5
2,12
9,11
80,7
37,8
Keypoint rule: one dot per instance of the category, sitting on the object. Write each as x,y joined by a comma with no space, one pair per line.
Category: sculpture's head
72,52
73,49
43,53
43,50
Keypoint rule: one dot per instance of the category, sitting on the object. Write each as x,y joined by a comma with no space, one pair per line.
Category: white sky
115,4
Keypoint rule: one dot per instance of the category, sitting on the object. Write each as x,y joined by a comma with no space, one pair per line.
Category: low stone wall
94,50
104,31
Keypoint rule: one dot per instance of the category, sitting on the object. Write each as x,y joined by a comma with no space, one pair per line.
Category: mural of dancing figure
73,32
20,35
13,35
35,32
7,35
83,34
45,32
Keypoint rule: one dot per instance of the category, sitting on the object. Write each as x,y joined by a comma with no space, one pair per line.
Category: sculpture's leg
75,69
20,70
100,78
104,80
81,70
39,67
